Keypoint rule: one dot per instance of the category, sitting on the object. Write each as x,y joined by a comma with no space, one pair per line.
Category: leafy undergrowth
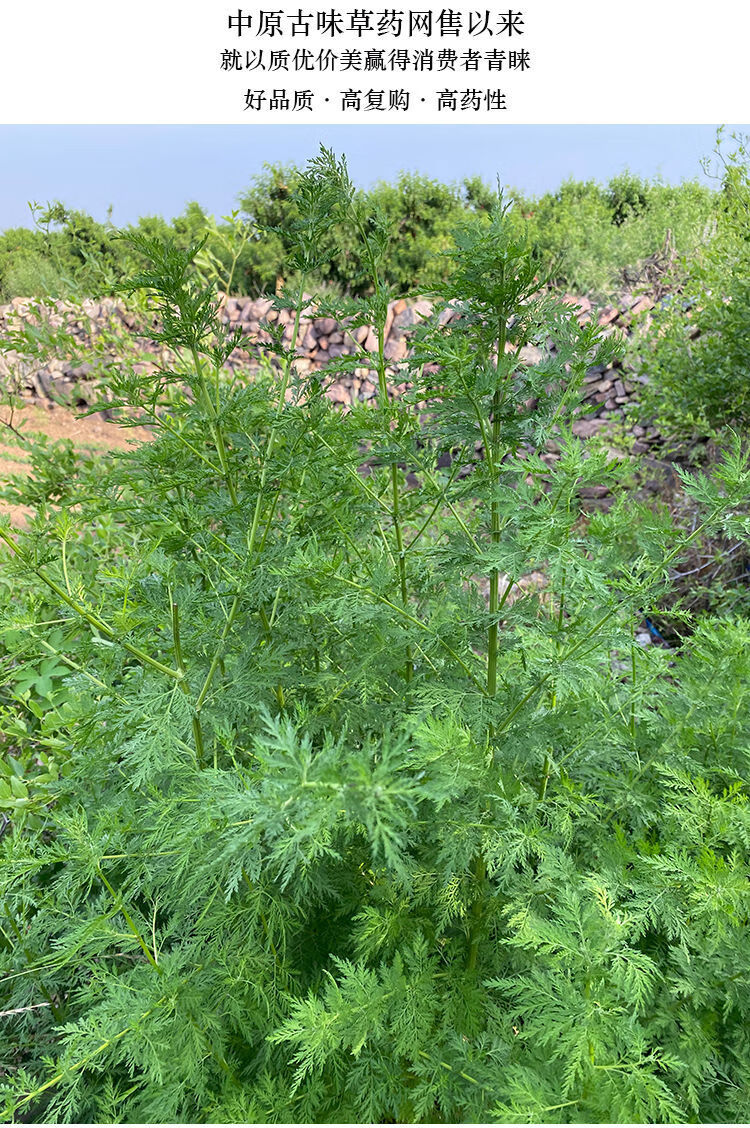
301,827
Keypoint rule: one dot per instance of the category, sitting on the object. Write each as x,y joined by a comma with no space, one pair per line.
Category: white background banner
538,61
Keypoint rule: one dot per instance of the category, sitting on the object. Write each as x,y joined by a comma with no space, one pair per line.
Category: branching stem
195,721
89,616
495,524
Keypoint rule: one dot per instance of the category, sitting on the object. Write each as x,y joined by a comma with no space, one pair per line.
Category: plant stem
497,401
479,873
417,623
286,375
383,404
545,776
131,924
216,431
195,721
492,453
217,654
395,504
85,1060
90,617
58,1014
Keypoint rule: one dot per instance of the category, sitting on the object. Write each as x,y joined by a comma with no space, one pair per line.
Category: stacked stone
323,339
608,390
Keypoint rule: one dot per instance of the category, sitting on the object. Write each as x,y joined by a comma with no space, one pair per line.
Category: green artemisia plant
347,822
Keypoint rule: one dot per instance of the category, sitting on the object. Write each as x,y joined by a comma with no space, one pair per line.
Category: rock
337,393
261,307
396,349
585,428
446,315
320,340
81,372
640,305
608,315
408,317
594,491
530,354
58,389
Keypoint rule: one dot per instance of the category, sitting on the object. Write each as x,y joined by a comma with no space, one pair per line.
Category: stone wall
98,325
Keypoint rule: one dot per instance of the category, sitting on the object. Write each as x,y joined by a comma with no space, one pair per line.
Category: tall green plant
325,846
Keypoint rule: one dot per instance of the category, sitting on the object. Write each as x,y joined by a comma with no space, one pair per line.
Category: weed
329,836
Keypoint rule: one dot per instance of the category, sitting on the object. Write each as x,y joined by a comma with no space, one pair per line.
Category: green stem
547,766
395,504
257,512
217,654
266,622
216,431
58,1014
383,403
160,421
634,676
495,524
401,561
89,616
196,723
359,479
545,776
131,923
479,872
84,1061
417,623
273,434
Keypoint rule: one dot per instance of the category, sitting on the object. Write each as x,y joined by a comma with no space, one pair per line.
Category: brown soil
91,432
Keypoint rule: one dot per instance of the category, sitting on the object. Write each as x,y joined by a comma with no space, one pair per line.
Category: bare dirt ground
91,432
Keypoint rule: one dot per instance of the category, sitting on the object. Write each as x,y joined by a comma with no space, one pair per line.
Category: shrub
330,836
697,357
597,236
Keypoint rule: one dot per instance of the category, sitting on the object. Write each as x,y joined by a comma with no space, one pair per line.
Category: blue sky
146,170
